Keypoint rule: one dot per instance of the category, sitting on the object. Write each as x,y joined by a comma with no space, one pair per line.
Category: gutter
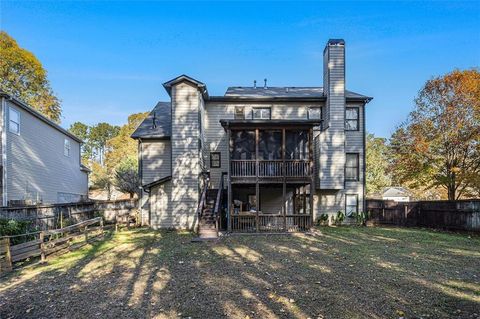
39,115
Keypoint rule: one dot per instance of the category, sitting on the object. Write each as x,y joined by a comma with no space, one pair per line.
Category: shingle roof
162,128
168,85
285,92
38,115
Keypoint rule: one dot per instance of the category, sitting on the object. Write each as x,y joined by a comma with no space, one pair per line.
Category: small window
351,167
351,205
215,160
261,113
14,121
66,147
239,113
315,113
351,119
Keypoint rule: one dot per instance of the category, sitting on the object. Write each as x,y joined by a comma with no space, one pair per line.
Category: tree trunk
451,191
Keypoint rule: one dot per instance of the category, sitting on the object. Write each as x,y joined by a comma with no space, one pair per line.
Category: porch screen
296,145
243,145
270,145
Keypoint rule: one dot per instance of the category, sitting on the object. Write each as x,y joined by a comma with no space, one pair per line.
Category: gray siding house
258,158
40,160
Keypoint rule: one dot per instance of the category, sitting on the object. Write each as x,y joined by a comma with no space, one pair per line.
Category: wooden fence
453,215
46,243
44,217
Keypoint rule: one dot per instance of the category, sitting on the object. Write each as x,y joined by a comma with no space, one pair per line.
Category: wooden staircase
208,211
207,224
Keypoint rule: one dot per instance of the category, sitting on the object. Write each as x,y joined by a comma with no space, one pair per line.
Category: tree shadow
143,273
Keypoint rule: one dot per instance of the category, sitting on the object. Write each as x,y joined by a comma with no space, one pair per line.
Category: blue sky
107,59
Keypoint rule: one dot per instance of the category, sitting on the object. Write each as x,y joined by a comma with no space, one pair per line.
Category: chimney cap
336,42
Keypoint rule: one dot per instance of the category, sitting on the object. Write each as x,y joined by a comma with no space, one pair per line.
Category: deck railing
270,168
250,223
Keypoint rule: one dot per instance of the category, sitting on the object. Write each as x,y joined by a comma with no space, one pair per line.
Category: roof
287,92
395,192
305,123
85,168
185,78
38,115
157,182
157,125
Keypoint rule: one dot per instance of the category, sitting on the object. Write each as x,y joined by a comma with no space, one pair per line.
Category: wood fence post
8,255
101,226
86,234
42,247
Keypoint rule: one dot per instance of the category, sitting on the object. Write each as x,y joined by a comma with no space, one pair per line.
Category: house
258,158
397,194
40,160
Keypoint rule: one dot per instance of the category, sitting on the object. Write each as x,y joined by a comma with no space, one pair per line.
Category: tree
439,144
23,76
99,136
122,145
126,176
102,178
82,131
377,160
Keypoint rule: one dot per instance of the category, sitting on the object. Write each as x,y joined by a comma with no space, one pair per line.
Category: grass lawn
343,272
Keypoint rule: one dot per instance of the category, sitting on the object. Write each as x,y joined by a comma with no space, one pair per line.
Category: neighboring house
40,160
397,194
283,155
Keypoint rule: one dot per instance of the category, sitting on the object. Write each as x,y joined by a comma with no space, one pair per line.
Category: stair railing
203,197
218,202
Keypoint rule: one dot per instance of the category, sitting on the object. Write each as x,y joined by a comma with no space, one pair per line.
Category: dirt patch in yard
345,272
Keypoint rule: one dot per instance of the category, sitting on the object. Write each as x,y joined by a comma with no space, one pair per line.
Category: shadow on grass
342,272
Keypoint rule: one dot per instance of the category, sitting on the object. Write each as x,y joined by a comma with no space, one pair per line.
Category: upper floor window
239,113
315,113
351,167
14,121
261,113
351,119
66,147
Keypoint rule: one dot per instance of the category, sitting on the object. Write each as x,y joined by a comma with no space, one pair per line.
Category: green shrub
11,227
323,219
340,217
361,218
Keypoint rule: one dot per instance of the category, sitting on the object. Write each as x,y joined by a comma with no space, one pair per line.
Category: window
351,167
315,113
66,147
239,113
351,119
215,160
351,205
14,120
261,113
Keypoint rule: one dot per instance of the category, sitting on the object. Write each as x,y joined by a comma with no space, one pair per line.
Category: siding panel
36,163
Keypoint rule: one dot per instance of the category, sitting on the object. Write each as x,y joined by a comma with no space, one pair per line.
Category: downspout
364,157
3,127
